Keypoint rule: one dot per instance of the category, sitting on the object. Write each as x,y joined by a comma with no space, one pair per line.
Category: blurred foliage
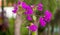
11,26
32,2
11,1
52,6
45,4
58,4
24,30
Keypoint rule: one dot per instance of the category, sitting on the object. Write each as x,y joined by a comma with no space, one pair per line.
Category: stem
59,27
34,33
52,32
29,32
18,23
48,33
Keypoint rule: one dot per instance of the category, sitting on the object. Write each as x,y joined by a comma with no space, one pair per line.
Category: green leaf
34,17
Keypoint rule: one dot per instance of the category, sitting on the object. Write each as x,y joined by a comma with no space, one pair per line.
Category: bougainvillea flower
19,3
42,22
25,6
29,12
15,5
16,8
29,18
14,11
33,27
32,6
47,15
40,7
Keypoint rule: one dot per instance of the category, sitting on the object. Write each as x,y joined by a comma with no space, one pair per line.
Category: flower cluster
40,7
29,18
32,27
47,17
16,7
28,10
26,7
42,22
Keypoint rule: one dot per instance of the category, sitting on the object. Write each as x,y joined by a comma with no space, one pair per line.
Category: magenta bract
14,11
40,7
19,3
15,8
29,12
42,22
47,15
29,18
25,6
33,27
28,8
